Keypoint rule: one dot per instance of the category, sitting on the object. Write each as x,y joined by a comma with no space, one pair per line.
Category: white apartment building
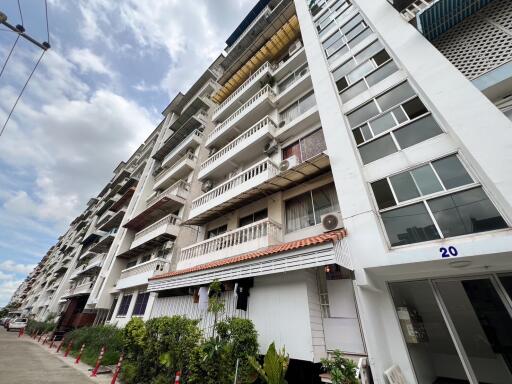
344,170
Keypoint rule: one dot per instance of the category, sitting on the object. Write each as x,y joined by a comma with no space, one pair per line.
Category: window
410,216
141,303
131,263
297,108
253,217
334,16
217,231
289,80
362,71
112,308
125,304
391,122
145,258
305,210
307,147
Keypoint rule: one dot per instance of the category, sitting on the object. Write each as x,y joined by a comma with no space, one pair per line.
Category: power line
47,23
21,93
21,13
9,55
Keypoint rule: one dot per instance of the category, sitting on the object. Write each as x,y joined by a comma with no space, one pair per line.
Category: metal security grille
481,42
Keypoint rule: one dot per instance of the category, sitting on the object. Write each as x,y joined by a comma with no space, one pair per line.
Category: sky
98,93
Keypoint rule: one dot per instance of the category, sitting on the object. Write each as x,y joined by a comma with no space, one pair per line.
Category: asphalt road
24,362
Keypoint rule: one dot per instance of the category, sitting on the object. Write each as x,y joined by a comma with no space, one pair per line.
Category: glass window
369,51
395,96
313,144
383,194
381,73
343,69
426,179
360,115
299,212
324,201
131,263
404,186
217,231
452,172
125,304
353,91
140,304
292,150
145,258
418,131
253,217
466,212
377,149
414,108
306,210
407,225
382,123
112,308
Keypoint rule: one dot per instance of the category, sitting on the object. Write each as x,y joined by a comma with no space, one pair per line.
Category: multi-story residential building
342,170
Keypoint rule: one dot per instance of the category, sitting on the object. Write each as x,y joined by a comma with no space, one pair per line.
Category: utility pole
20,30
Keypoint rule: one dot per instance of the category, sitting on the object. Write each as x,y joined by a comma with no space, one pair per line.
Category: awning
442,15
326,248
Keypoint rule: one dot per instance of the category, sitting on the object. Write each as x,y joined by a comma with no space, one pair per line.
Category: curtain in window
312,145
292,150
299,213
325,201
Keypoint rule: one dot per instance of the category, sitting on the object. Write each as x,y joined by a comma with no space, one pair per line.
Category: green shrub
39,326
342,369
275,365
94,338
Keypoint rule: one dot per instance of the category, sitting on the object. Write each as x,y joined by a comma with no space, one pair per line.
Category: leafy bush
39,326
275,365
342,369
94,338
214,360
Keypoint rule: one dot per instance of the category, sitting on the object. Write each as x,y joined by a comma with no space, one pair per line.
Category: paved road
24,362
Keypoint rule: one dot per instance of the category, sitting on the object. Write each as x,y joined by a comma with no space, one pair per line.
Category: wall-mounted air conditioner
294,47
331,221
288,163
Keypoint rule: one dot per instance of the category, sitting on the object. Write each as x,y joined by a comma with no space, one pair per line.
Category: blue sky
113,67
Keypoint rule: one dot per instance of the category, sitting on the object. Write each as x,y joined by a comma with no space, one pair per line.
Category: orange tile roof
283,247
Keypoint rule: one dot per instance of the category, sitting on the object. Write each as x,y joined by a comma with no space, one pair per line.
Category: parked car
2,320
17,324
6,322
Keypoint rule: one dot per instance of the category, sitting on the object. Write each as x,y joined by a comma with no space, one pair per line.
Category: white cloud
7,288
89,62
11,266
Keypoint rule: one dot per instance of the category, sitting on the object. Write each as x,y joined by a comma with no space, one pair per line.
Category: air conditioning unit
271,147
288,163
294,47
207,186
331,221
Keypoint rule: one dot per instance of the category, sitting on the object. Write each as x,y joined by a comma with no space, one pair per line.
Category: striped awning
442,15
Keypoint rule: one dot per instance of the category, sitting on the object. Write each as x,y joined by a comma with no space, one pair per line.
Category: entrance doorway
457,330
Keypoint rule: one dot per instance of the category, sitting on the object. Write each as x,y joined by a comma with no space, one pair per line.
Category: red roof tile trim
315,240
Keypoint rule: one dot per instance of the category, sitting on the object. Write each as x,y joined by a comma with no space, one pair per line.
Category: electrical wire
47,22
21,93
21,13
9,55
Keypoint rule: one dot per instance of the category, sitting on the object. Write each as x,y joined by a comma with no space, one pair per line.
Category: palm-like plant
275,365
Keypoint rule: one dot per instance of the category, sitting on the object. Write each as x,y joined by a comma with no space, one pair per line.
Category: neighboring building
344,170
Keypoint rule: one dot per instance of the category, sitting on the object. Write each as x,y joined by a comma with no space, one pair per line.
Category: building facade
343,170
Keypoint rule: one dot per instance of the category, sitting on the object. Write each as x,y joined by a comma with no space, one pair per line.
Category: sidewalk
24,360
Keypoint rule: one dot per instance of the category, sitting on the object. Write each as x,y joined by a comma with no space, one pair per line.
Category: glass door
478,313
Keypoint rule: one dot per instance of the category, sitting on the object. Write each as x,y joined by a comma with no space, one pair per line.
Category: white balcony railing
265,92
234,144
179,189
177,165
167,220
152,266
245,180
194,135
240,89
241,240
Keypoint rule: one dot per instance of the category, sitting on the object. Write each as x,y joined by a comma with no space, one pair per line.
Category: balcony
179,170
241,150
298,86
242,93
241,240
89,268
139,274
192,141
161,204
299,123
249,113
169,225
82,289
238,189
113,222
104,243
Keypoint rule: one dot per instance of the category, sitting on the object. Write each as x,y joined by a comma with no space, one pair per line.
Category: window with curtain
298,107
306,210
307,147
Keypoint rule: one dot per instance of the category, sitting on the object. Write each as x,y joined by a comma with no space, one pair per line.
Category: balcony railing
82,288
265,92
241,240
165,172
179,188
239,90
195,134
167,220
226,189
152,266
259,126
